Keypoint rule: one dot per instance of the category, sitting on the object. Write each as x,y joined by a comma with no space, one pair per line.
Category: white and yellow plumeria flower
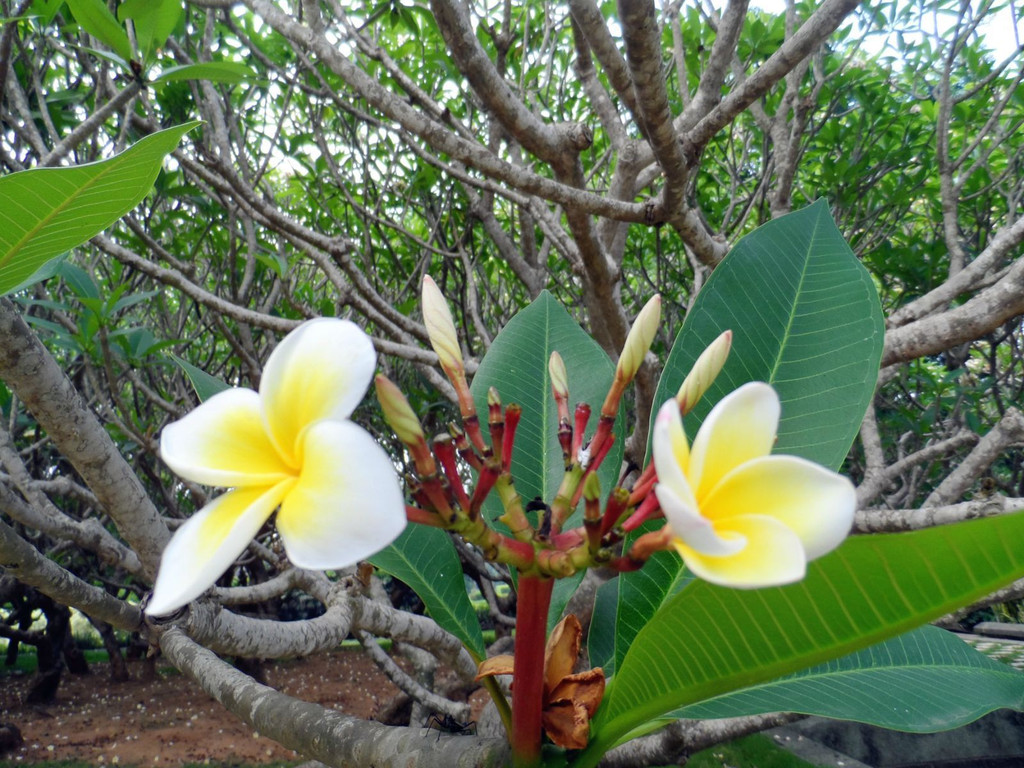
740,517
290,446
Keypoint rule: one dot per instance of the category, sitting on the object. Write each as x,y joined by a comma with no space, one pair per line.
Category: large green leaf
517,366
709,640
924,681
46,211
641,593
425,559
601,635
231,72
805,318
96,19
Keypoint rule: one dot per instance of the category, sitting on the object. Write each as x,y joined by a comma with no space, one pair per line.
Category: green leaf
99,22
46,270
46,9
805,318
80,281
561,594
231,72
517,366
924,681
643,592
154,21
46,211
601,636
205,385
709,640
425,559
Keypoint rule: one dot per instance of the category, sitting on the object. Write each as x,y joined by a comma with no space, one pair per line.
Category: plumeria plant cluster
736,515
754,524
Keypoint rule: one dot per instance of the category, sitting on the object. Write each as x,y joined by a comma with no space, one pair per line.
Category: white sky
1002,32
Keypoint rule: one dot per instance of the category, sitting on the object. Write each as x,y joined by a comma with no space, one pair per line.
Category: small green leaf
80,281
99,22
231,72
924,681
47,211
708,640
205,385
425,559
154,21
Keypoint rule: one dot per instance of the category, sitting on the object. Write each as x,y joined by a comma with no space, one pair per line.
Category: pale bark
38,380
322,734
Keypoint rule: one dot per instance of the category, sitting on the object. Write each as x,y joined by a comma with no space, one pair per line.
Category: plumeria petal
223,443
692,528
321,370
671,453
209,541
561,651
773,556
813,502
347,503
741,426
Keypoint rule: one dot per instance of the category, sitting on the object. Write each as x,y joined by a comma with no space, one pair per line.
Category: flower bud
440,327
397,411
704,371
559,376
639,340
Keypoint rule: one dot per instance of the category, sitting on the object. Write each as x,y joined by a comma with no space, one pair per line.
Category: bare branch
322,734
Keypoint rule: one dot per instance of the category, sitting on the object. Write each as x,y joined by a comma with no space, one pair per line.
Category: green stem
528,679
500,702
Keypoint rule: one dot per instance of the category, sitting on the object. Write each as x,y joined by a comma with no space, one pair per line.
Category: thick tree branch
1009,431
967,322
322,734
896,520
22,561
34,375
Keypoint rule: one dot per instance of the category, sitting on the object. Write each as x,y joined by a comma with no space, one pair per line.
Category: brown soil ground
170,721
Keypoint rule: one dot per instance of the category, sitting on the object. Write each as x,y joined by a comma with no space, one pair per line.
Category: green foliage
805,318
516,365
230,72
754,751
46,211
98,21
153,21
927,680
708,640
205,385
425,559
